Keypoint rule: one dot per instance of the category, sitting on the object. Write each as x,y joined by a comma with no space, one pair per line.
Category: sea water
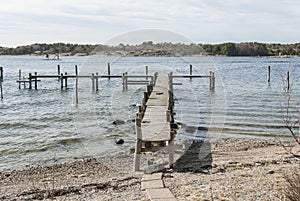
44,126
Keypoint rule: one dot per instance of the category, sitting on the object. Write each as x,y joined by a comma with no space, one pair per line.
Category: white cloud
96,21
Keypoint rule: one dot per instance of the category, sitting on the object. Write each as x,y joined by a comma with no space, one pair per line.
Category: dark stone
119,141
174,126
118,122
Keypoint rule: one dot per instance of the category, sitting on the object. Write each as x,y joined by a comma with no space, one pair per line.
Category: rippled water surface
40,126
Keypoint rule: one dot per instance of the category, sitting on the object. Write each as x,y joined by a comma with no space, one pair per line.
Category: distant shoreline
159,49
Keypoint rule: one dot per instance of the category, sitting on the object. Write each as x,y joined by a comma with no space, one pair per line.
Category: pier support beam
66,80
30,81
108,70
191,71
61,81
35,81
146,67
1,73
269,74
93,81
76,85
20,75
1,80
212,81
138,145
58,70
97,84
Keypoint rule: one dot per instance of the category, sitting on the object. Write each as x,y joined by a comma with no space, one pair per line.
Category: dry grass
292,191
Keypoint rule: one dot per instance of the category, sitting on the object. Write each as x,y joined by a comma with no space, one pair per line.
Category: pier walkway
154,119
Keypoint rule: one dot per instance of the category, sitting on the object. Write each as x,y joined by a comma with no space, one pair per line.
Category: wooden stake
66,80
1,89
146,72
269,73
58,70
126,81
97,86
108,70
20,75
191,70
76,85
35,81
93,82
61,81
30,78
138,145
1,73
288,80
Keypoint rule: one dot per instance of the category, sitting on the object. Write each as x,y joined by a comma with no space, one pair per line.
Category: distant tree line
157,49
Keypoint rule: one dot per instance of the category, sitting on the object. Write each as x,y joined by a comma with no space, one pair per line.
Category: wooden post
191,70
35,81
288,80
269,73
30,78
146,72
61,81
171,151
212,81
149,89
1,73
97,77
126,81
1,89
66,80
93,82
76,84
108,70
123,81
1,80
138,144
146,97
58,70
20,76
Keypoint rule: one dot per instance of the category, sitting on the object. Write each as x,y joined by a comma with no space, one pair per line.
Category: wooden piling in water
97,85
66,80
212,81
108,70
146,67
126,81
58,70
76,85
61,81
191,70
138,144
1,73
30,81
1,89
93,81
20,75
269,73
288,81
35,81
1,80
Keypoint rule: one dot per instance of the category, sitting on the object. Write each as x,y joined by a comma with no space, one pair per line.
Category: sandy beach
237,170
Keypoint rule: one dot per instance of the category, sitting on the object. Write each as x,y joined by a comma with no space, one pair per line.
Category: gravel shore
235,169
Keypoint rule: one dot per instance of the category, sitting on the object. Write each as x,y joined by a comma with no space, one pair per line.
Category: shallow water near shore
40,127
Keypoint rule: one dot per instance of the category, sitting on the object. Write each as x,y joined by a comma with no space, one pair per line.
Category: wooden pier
154,119
34,78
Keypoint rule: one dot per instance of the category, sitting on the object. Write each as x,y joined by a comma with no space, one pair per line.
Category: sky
24,22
